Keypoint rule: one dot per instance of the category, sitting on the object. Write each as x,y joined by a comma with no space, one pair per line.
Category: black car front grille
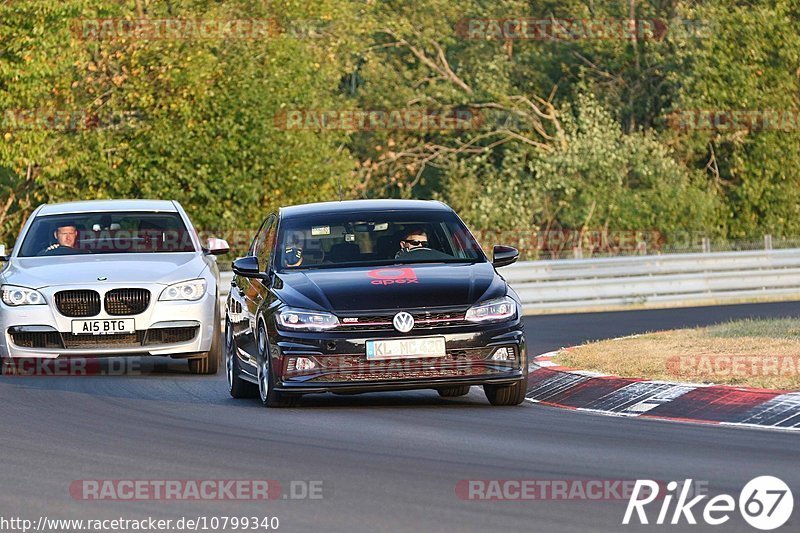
436,320
127,301
171,335
356,367
365,323
453,357
391,370
78,303
383,322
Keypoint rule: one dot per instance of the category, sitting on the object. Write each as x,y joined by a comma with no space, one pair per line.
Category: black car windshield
374,238
106,233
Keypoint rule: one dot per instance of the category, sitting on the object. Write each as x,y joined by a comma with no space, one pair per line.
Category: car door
248,293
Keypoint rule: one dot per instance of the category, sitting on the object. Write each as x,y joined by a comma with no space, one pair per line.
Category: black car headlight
16,296
495,310
306,320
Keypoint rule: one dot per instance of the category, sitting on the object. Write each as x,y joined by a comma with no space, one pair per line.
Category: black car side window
260,236
266,244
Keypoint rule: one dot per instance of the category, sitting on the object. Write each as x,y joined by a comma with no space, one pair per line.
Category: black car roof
351,206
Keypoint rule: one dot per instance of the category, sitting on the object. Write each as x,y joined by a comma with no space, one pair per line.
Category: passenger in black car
293,253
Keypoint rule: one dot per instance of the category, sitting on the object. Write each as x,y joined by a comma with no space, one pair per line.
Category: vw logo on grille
403,322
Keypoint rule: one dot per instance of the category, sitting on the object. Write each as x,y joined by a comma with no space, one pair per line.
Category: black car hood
395,287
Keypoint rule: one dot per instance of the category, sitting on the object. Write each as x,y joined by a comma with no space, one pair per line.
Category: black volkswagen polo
372,295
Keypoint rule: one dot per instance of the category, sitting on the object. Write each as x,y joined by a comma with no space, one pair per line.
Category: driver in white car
66,241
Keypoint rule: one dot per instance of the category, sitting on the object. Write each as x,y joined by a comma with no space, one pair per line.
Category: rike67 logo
765,503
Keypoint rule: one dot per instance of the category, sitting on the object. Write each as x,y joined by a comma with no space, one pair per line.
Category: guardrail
650,280
655,280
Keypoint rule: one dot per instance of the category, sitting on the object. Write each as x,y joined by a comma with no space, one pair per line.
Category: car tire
513,394
266,381
453,392
208,363
237,387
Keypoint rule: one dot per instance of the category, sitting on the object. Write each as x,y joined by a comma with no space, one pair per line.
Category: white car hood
163,268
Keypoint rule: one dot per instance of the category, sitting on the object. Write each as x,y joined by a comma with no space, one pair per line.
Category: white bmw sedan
111,278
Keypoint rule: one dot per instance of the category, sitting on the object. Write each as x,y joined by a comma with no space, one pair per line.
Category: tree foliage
568,133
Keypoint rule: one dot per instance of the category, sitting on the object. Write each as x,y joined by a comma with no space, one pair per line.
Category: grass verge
751,353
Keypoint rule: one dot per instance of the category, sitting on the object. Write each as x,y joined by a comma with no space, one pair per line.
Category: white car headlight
492,310
299,319
16,296
191,290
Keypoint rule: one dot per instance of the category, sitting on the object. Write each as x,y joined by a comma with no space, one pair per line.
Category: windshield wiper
382,263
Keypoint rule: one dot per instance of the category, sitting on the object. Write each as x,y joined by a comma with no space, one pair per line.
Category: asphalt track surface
387,462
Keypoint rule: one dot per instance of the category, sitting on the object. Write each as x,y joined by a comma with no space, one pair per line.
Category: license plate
413,347
103,327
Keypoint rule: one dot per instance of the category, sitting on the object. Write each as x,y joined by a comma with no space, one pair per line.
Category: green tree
748,60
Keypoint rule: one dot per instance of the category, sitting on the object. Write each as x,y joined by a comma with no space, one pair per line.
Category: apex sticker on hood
391,276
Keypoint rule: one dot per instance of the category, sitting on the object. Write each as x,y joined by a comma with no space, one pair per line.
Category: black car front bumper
341,364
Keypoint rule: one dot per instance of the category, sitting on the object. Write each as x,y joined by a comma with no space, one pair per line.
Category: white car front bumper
175,328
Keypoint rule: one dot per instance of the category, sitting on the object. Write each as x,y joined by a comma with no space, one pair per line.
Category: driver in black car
415,246
415,239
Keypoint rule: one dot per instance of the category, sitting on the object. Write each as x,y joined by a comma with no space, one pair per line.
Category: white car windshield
106,233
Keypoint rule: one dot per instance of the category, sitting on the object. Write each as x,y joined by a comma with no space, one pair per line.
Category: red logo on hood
392,276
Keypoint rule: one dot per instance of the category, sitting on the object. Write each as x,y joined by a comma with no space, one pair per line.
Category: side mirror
247,267
3,256
504,255
217,246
